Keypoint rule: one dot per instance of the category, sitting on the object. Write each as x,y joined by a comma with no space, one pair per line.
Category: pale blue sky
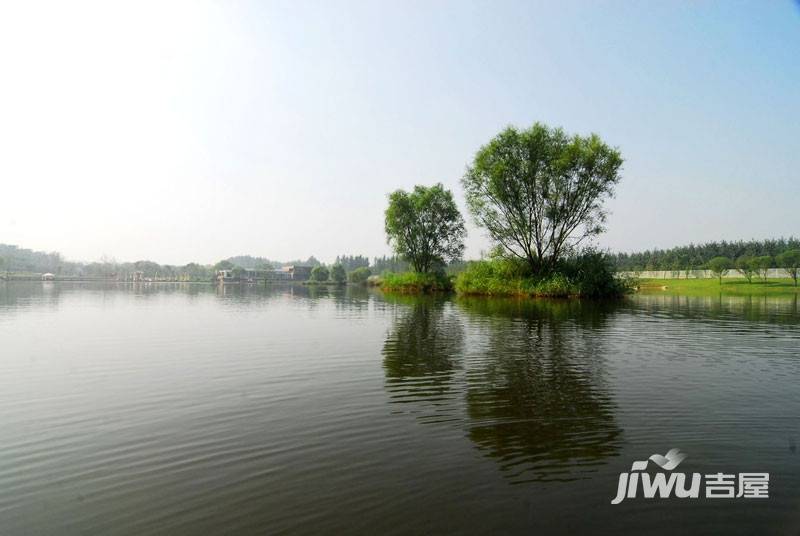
195,131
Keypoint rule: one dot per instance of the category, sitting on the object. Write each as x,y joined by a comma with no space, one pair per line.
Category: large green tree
790,261
539,191
425,227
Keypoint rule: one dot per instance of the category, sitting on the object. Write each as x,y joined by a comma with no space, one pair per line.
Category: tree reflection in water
536,397
422,354
524,379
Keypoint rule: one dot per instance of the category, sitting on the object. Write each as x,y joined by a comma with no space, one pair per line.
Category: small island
538,193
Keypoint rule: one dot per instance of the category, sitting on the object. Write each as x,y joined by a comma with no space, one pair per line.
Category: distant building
278,275
224,276
299,273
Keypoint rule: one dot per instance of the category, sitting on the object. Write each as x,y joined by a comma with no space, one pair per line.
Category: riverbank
701,287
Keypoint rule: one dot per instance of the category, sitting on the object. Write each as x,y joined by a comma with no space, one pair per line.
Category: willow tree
540,191
425,227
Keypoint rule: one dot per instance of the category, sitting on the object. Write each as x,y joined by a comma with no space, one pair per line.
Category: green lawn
700,287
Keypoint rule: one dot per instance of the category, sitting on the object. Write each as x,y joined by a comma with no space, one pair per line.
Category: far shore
710,287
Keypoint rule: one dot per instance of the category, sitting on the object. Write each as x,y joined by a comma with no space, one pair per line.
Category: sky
194,131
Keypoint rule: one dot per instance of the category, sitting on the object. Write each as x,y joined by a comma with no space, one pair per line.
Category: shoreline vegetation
538,193
588,275
413,282
711,287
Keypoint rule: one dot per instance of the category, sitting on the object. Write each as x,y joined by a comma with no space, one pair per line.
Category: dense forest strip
694,256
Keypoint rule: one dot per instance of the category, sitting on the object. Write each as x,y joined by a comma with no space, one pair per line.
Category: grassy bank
413,282
701,287
588,276
484,281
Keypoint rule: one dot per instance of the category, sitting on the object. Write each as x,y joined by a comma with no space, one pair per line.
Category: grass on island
413,282
705,287
588,276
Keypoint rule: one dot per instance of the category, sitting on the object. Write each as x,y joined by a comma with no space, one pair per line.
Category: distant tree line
248,262
14,259
750,266
697,256
351,262
394,263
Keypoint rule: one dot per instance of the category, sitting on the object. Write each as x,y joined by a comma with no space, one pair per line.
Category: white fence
772,273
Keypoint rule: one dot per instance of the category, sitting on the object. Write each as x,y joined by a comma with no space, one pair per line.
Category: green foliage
586,275
747,266
196,272
394,263
359,276
695,255
537,190
224,265
319,274
764,263
351,262
16,259
593,274
719,266
711,287
338,274
498,276
425,226
790,261
416,282
249,262
556,285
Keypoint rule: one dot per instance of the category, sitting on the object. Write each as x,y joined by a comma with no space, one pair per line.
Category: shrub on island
416,282
588,275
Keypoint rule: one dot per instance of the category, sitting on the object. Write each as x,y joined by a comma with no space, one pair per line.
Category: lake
187,409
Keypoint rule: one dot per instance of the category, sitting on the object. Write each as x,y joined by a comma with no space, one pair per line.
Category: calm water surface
193,409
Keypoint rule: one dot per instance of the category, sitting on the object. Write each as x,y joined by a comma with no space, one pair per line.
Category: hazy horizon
191,132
